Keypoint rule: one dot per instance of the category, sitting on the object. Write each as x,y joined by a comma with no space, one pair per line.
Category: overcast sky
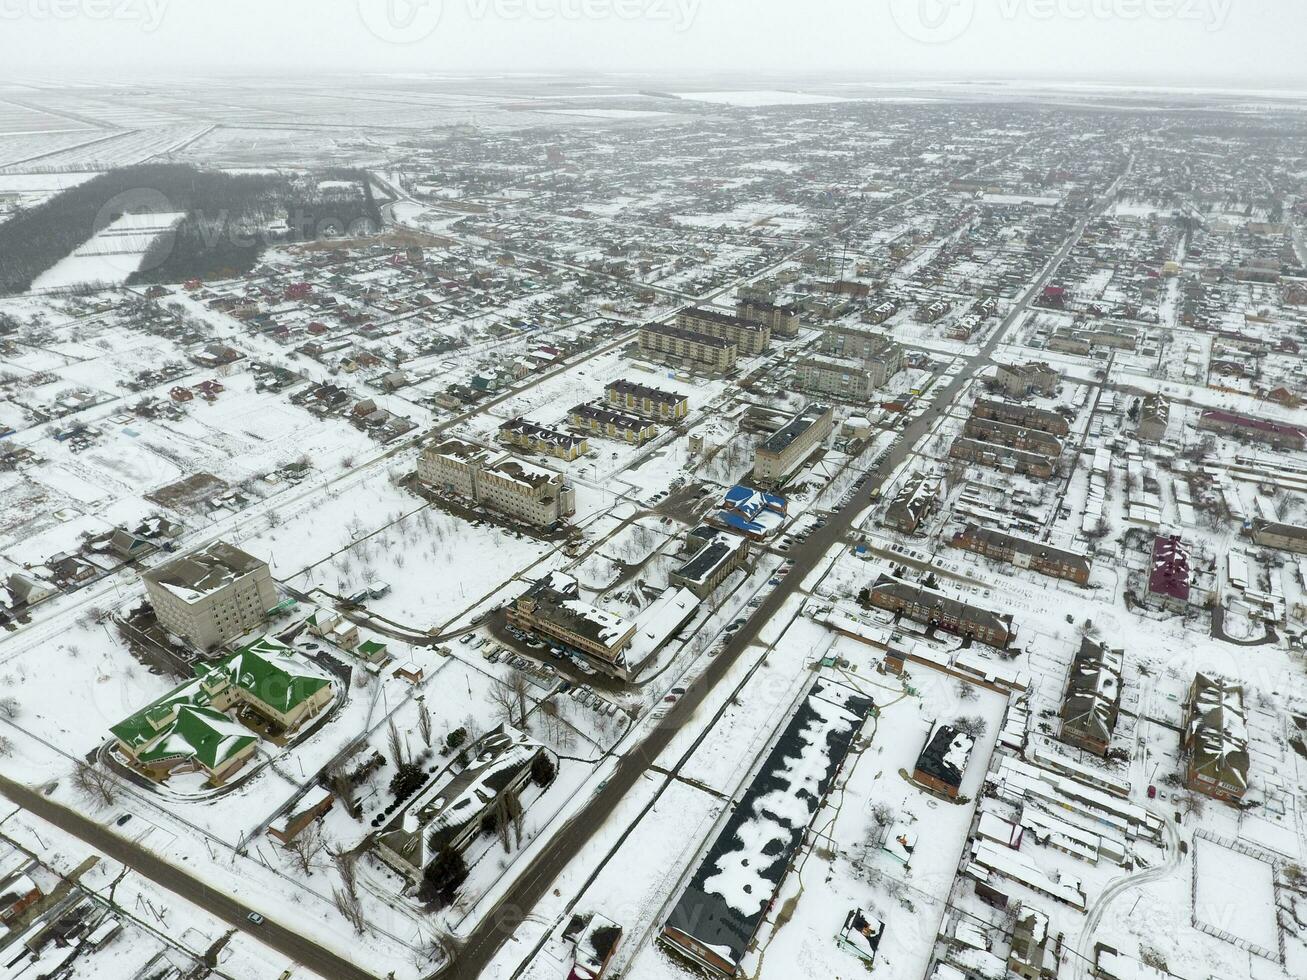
1217,42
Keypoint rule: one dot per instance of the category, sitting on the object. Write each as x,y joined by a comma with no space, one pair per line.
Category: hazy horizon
1184,43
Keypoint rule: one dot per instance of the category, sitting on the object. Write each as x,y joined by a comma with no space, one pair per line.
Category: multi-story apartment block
998,545
1154,418
1026,416
848,378
1016,436
931,608
654,403
537,438
612,423
688,348
1020,380
751,338
1092,701
912,504
782,320
883,358
1005,458
1216,739
778,456
498,482
211,596
1284,537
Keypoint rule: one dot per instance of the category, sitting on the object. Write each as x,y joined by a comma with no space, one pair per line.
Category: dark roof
623,387
946,755
1093,692
754,848
780,441
1171,575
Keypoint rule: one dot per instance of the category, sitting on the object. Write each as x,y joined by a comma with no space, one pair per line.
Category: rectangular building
1216,739
725,902
709,557
1022,380
751,338
1092,701
1026,416
781,319
1276,434
1073,566
778,456
654,403
847,378
931,608
913,503
211,596
1005,458
883,355
553,608
536,438
1284,537
498,482
1154,418
687,348
1016,436
613,424
943,762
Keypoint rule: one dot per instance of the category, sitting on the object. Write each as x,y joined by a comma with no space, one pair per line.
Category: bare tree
510,697
306,847
396,744
346,864
351,908
95,783
424,723
10,708
442,946
6,747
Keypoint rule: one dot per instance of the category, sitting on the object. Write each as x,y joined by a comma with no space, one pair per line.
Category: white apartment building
498,481
212,596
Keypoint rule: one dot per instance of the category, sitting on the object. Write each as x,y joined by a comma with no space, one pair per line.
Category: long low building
1277,434
751,338
654,403
1026,416
931,608
498,481
780,454
1004,458
1016,436
718,915
613,424
688,348
1284,537
1039,556
536,438
553,608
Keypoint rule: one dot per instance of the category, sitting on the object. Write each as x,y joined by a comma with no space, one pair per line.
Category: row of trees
221,235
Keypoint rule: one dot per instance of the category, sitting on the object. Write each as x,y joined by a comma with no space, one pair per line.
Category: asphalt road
284,940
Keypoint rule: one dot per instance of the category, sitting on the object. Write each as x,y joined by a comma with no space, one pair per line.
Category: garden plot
1234,894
